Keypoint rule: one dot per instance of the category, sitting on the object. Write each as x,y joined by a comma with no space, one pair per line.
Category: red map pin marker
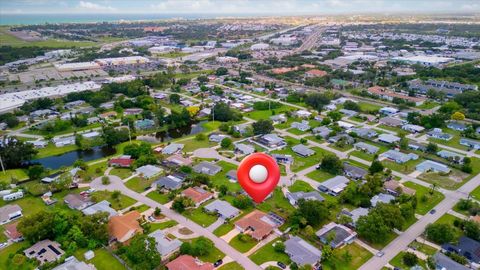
258,174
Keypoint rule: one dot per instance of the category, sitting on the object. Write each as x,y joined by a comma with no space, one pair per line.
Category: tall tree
15,152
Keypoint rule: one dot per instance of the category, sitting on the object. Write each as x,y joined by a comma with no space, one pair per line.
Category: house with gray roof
278,119
321,131
302,150
294,197
244,149
45,251
148,171
72,263
272,141
456,126
381,198
302,126
348,139
367,148
215,137
223,209
443,262
242,128
417,146
165,246
103,206
169,182
354,172
388,111
342,235
398,156
232,175
355,214
439,134
432,166
413,128
391,121
467,247
364,132
9,213
470,143
207,168
301,252
284,159
77,201
334,186
451,156
172,148
388,138
348,113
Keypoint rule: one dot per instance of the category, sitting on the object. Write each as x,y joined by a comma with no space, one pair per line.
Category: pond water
67,159
163,136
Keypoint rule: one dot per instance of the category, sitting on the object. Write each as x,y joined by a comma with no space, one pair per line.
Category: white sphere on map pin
258,174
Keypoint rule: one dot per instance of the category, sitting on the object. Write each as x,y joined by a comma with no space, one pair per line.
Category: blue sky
271,7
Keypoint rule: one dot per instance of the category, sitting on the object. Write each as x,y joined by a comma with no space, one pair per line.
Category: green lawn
243,245
394,129
121,172
428,105
359,256
346,147
193,144
139,184
277,204
405,168
296,131
117,204
18,174
13,249
452,180
224,229
299,185
214,255
449,219
385,241
7,39
173,54
103,259
319,175
200,217
397,261
97,169
257,115
267,253
231,266
221,178
161,198
454,142
426,249
476,193
52,150
368,107
301,163
425,200
162,225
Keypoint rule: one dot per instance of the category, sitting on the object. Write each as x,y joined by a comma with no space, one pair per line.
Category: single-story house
207,168
244,149
396,188
456,126
348,139
391,121
302,150
148,171
302,114
470,143
355,214
272,141
77,201
281,158
429,165
451,156
345,125
294,197
52,177
416,146
321,131
354,172
165,246
278,119
215,137
223,209
348,113
388,138
398,156
367,148
72,263
443,262
103,206
197,194
301,252
184,262
334,186
123,161
388,111
466,247
178,160
9,213
172,148
302,126
258,224
144,124
45,251
381,198
169,182
232,175
364,132
12,233
413,128
343,235
123,228
439,134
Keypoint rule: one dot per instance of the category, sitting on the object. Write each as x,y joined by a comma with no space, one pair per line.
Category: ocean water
24,19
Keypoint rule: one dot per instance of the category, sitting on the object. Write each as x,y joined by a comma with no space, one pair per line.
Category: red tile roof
197,194
124,227
316,73
253,221
12,232
187,262
382,91
124,162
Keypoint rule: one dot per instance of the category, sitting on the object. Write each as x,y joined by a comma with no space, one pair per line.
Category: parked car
433,211
281,265
218,263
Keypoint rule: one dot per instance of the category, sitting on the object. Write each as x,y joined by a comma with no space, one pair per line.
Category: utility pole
129,136
1,163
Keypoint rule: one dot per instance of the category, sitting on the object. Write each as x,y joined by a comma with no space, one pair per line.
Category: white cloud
94,6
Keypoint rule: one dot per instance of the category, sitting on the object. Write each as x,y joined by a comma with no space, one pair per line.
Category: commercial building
425,60
116,61
79,66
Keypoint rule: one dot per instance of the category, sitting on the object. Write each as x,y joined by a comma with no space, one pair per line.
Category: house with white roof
334,186
432,166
